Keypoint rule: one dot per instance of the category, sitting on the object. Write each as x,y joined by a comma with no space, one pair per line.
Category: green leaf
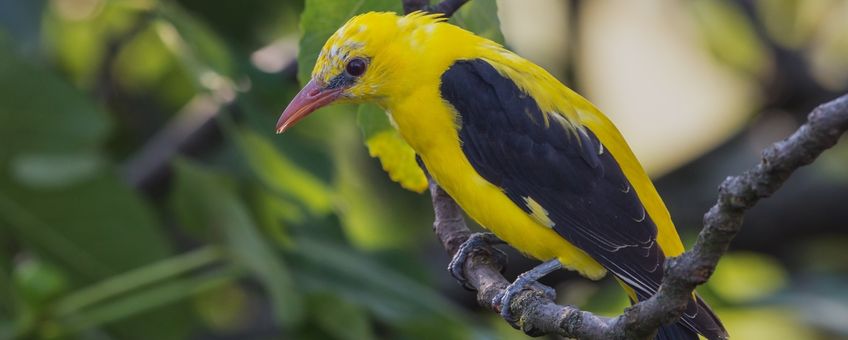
480,17
281,174
146,62
198,46
747,277
150,299
385,143
797,24
132,293
125,283
769,322
328,309
93,229
370,221
41,115
321,18
374,212
392,297
223,320
78,43
59,200
730,36
54,170
38,282
216,206
604,298
39,135
272,212
66,225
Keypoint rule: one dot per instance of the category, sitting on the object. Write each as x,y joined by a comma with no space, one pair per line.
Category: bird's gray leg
476,241
524,281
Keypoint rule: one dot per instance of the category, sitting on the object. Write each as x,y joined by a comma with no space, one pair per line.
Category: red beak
310,98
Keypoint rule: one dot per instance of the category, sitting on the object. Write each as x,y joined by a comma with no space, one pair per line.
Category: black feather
505,138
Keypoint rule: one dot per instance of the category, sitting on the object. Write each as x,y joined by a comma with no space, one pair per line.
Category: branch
446,7
539,315
193,129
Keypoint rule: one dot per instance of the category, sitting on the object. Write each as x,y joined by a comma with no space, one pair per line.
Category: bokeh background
143,194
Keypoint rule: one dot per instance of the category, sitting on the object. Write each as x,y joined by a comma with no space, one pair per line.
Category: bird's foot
475,242
527,280
548,291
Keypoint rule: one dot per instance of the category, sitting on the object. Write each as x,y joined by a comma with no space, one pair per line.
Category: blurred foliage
257,236
730,36
385,143
748,277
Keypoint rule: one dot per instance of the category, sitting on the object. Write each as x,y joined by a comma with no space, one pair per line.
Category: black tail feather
676,331
704,322
707,322
698,319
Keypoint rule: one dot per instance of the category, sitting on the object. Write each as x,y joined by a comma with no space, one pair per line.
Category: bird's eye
356,67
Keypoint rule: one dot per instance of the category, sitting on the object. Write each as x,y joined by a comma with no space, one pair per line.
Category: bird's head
361,62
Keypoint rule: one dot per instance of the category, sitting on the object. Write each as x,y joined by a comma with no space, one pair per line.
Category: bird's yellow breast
435,139
428,123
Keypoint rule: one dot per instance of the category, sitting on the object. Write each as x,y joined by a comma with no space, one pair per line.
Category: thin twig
192,129
446,7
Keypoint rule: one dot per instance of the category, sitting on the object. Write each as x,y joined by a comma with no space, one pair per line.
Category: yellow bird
525,156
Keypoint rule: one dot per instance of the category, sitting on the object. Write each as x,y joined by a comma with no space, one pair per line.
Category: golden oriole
523,155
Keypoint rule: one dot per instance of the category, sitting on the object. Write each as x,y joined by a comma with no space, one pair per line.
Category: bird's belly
492,209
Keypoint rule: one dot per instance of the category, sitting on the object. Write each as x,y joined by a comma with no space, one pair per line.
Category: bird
524,156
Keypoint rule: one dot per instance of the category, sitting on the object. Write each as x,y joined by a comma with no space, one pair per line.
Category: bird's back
539,165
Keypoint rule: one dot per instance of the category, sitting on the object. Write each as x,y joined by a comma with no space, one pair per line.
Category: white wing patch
538,212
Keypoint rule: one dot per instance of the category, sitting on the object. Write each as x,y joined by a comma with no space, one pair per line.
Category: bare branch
194,128
446,7
410,6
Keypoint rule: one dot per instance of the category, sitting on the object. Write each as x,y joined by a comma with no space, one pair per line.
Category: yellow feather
410,55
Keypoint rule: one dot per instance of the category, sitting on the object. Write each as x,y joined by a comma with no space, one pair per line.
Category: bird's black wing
506,139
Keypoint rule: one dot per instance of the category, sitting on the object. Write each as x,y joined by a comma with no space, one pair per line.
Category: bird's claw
549,292
503,300
476,241
527,280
